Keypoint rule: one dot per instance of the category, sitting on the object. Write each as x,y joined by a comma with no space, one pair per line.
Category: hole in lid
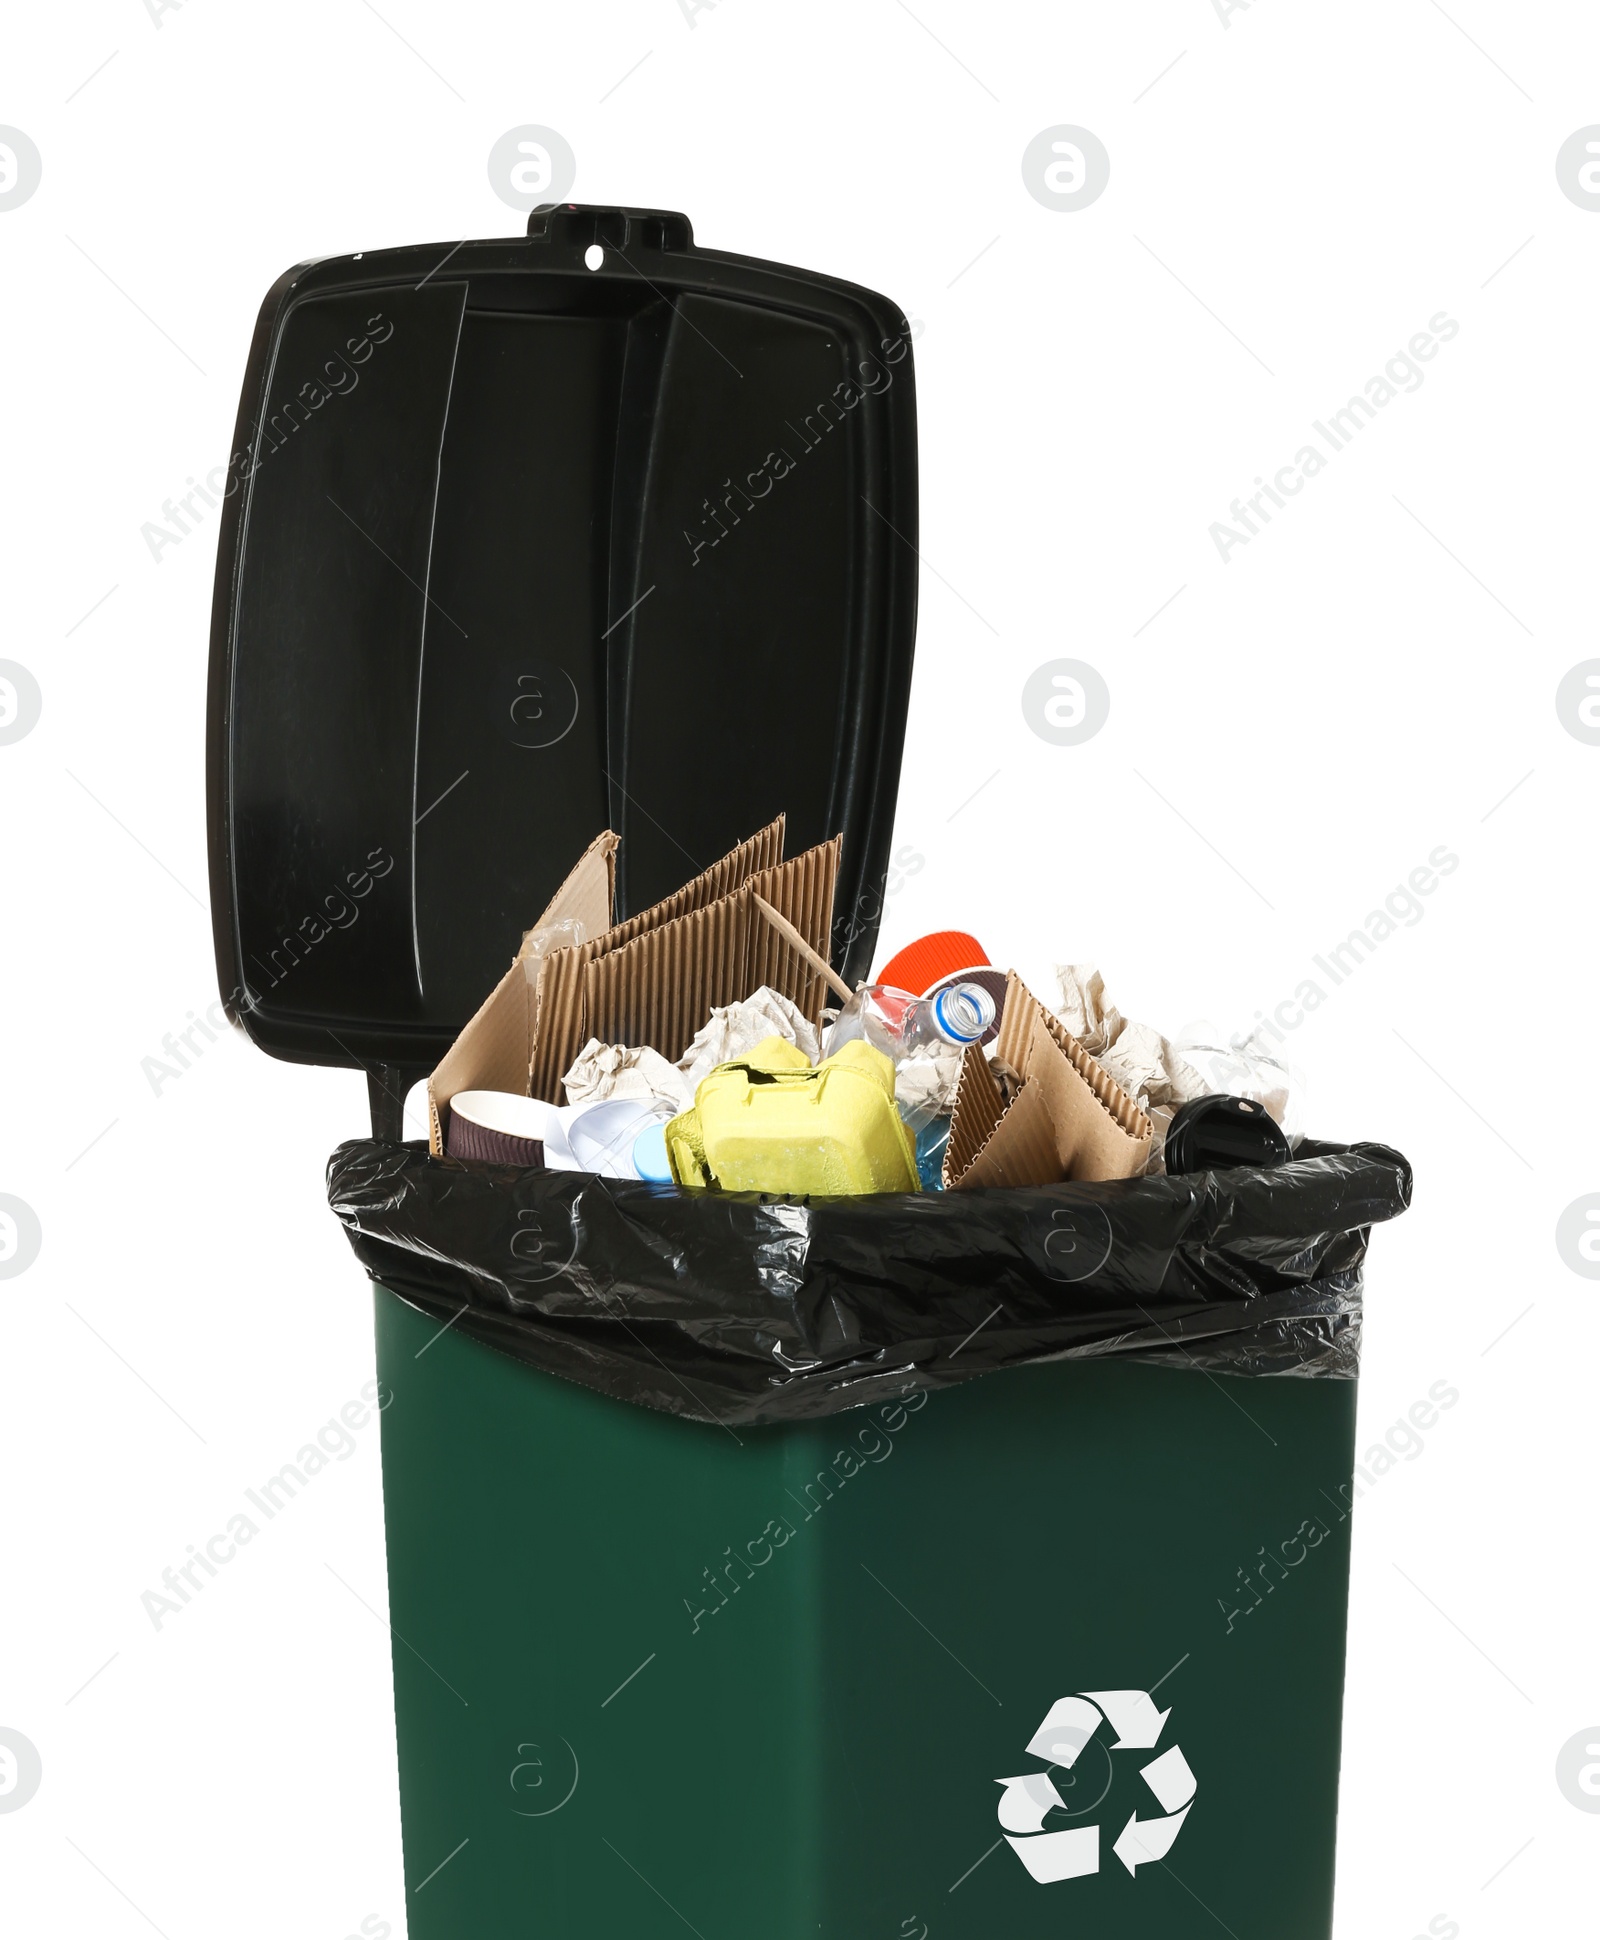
594,256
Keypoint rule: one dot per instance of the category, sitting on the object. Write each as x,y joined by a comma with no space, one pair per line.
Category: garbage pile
676,1160
694,1047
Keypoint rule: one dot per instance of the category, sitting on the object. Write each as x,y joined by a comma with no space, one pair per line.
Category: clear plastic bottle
899,1024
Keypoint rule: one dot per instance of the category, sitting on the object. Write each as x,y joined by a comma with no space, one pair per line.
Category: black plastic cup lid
1220,1130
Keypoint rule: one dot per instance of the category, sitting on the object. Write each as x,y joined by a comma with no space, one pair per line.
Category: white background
1369,678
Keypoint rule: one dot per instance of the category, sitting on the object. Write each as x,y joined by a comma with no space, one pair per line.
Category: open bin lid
514,549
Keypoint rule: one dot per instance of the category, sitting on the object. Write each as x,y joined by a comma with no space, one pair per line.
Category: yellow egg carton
773,1122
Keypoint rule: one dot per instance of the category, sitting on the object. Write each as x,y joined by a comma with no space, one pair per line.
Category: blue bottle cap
650,1155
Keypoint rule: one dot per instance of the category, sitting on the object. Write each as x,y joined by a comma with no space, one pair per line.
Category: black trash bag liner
736,1309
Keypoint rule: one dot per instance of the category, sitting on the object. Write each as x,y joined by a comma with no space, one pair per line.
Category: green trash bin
650,1676
1062,1641
735,1602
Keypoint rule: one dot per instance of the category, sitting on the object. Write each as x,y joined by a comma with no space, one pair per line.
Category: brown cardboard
759,852
660,988
801,892
791,935
649,980
1011,1044
979,1108
1069,1120
560,1002
492,1051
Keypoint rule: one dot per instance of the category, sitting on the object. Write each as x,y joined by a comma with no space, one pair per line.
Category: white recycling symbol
1069,1725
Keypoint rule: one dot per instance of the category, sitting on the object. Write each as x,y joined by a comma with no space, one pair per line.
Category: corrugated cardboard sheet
1069,1120
491,1054
561,999
650,980
660,988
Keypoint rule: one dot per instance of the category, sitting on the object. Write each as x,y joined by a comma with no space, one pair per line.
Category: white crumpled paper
621,1071
1160,1075
734,1029
925,1082
625,1071
1248,1067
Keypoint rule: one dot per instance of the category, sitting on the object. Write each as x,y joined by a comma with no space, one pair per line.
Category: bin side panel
658,1673
1080,1528
612,1737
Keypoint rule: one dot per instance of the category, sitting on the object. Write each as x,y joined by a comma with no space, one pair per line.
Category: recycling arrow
1055,1856
1173,1784
1170,1778
1027,1800
1146,1839
1134,1717
1069,1725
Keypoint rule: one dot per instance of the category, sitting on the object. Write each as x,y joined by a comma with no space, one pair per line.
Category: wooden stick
791,935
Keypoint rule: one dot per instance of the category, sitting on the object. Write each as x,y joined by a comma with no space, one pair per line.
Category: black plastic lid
514,549
1210,1134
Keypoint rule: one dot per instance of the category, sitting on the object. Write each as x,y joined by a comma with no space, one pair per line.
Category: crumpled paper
925,1082
1249,1067
627,1071
1160,1074
623,1071
1151,1070
734,1029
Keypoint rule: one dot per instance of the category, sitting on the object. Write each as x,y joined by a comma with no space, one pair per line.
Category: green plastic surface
594,1743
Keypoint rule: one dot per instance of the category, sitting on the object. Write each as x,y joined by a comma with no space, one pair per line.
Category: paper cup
497,1127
